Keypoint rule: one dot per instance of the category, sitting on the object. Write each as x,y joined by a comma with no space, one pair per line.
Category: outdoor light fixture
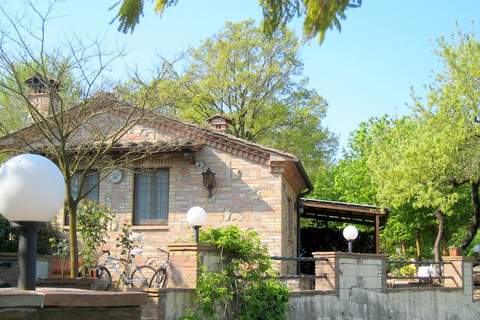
32,192
350,233
209,181
196,218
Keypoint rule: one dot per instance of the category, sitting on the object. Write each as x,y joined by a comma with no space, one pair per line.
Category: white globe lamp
196,218
32,192
350,233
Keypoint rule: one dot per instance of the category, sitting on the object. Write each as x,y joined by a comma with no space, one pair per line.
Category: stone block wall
360,294
74,304
340,271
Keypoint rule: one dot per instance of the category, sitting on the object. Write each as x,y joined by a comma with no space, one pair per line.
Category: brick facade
250,194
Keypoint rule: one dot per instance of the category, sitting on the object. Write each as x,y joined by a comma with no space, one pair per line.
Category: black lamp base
27,253
196,233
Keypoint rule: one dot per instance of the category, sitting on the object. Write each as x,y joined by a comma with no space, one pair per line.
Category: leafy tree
93,222
72,77
257,82
414,162
351,180
320,15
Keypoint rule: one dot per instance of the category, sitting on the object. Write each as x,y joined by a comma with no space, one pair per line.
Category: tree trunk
475,221
418,244
441,225
403,248
444,244
72,212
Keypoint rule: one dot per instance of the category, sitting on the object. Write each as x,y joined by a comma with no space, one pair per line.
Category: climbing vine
246,287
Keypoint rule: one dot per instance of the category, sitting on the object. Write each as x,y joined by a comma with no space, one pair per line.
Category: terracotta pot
455,251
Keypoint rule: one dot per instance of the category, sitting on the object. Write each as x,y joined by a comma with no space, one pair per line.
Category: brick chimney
39,94
219,122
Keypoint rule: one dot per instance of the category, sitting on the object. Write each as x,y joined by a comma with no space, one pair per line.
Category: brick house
256,187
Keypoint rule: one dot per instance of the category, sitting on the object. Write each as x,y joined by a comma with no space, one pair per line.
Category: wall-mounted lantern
209,181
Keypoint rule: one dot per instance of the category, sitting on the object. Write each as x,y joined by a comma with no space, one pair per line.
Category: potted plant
455,251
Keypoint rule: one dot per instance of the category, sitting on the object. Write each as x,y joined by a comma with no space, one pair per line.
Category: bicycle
159,279
138,278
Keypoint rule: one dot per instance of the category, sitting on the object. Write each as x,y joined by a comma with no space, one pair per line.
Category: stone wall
395,304
354,291
354,288
72,304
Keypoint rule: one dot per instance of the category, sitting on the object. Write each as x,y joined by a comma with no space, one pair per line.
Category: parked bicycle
133,275
159,279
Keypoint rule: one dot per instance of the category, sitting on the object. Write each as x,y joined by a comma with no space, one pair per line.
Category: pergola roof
343,212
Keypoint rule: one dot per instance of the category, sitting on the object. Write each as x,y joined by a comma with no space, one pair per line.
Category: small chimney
39,94
219,122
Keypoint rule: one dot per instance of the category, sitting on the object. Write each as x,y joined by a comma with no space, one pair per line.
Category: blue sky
385,47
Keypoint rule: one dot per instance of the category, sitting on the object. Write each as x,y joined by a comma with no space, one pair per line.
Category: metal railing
412,273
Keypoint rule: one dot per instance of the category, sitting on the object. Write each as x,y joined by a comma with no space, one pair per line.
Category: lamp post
196,218
350,233
32,192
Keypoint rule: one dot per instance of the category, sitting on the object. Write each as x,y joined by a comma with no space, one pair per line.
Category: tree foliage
319,15
76,131
432,157
93,223
255,81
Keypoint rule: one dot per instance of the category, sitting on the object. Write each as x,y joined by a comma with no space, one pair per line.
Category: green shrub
93,221
246,287
9,237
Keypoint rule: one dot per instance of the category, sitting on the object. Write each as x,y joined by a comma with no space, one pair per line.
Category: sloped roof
197,135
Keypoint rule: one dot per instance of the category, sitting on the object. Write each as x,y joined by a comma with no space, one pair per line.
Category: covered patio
359,214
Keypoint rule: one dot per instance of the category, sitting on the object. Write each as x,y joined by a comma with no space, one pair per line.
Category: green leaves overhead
320,15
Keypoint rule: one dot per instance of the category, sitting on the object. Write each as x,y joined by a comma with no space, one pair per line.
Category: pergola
345,212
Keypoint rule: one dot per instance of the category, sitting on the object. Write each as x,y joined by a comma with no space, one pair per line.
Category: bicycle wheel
159,279
103,280
141,277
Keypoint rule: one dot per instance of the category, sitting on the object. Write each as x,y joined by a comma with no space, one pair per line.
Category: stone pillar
453,270
360,270
343,271
185,262
468,278
326,277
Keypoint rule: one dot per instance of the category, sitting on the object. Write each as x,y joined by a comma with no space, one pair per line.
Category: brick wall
289,227
247,194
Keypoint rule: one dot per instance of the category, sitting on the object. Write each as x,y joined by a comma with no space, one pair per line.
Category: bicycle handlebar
162,250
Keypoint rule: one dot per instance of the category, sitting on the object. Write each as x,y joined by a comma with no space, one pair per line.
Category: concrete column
343,271
468,278
360,270
186,260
